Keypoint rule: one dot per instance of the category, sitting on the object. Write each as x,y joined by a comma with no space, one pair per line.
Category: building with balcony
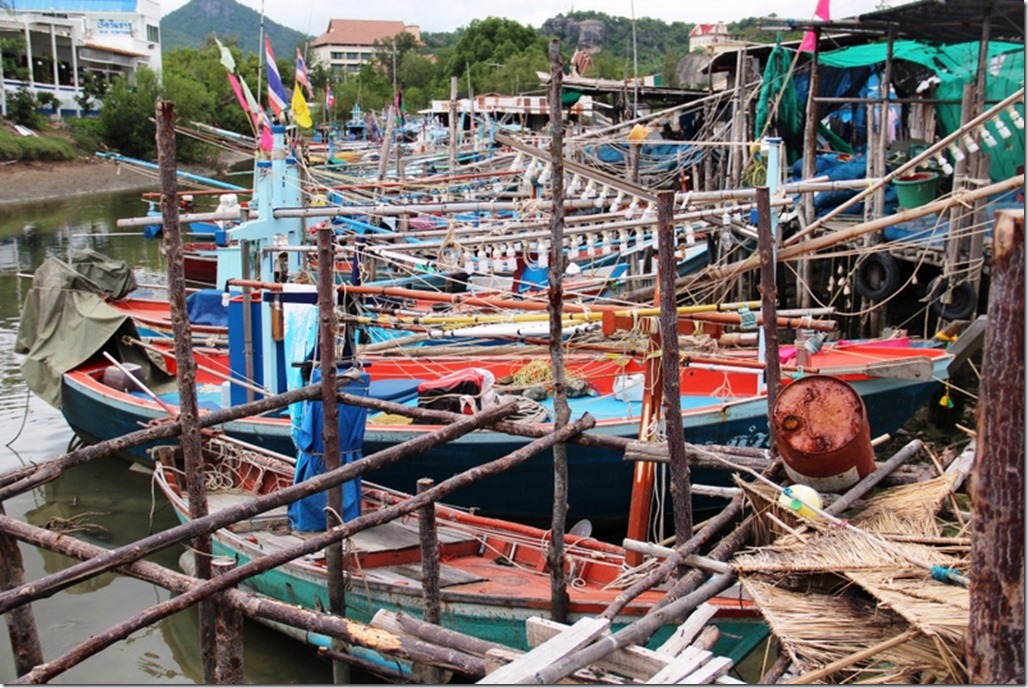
62,42
349,44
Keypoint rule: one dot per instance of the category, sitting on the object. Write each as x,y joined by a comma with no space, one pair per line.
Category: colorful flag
226,57
301,113
302,76
276,92
330,99
238,91
821,12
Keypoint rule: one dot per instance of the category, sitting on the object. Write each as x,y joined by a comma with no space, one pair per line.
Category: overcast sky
312,16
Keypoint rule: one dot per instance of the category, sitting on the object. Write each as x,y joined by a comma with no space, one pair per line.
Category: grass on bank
64,140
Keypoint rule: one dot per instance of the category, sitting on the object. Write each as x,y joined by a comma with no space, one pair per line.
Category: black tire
877,276
963,300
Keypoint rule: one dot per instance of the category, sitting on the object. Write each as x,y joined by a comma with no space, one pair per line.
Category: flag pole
260,55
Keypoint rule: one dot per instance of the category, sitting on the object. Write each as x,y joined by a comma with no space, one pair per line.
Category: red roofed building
350,43
703,35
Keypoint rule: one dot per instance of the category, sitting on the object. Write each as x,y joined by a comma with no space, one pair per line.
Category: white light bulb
1015,117
955,151
970,144
987,137
1001,127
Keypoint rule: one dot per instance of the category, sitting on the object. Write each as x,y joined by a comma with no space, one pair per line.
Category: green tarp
66,320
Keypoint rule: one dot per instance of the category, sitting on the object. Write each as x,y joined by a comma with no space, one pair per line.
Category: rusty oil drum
821,429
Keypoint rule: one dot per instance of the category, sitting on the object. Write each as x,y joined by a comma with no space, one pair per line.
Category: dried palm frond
907,509
818,629
931,606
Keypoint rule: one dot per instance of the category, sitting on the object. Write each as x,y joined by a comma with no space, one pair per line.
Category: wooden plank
634,661
583,632
709,671
497,657
687,632
681,666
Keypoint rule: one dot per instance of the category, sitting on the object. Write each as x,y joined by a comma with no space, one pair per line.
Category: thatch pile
829,593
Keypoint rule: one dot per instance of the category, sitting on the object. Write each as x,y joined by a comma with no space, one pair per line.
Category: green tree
670,70
92,87
128,111
22,108
488,42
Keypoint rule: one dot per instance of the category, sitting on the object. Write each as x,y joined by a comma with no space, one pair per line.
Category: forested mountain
191,24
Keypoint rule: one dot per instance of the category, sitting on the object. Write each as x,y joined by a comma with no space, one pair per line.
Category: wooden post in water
996,633
429,569
681,492
327,329
556,307
192,448
21,624
768,297
228,665
803,283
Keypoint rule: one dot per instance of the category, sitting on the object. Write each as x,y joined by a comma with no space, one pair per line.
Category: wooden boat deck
270,531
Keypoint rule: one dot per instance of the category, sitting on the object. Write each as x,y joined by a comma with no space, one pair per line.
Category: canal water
104,502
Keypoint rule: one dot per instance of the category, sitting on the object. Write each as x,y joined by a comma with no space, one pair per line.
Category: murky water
105,502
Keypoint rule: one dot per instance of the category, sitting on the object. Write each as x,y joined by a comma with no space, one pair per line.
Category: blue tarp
308,513
205,307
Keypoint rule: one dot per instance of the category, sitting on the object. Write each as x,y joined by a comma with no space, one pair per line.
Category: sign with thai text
114,27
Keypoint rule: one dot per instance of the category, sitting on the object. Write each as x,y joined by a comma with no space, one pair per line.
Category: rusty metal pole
429,571
21,624
768,296
192,446
228,665
681,492
327,329
558,584
996,635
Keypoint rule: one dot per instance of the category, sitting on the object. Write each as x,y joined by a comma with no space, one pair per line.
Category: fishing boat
722,401
493,573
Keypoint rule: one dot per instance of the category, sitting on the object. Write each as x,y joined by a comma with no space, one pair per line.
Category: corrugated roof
358,32
74,5
931,21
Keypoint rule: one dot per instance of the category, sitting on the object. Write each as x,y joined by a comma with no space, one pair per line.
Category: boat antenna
635,67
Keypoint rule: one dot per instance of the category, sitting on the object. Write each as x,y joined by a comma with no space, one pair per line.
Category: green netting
778,109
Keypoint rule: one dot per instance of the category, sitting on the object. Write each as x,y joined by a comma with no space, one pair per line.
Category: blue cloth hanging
308,513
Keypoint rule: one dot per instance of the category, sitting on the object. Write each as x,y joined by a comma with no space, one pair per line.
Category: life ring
962,299
877,276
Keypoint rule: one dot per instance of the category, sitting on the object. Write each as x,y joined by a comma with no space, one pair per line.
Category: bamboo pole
555,305
429,540
327,329
399,644
48,585
766,245
671,402
310,545
22,479
996,634
188,409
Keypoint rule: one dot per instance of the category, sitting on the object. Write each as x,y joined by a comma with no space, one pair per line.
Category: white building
63,40
348,44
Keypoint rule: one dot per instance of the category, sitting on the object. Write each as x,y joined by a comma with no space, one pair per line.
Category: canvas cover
66,320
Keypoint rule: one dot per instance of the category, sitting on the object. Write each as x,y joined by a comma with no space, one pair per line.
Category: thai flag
277,98
302,76
330,100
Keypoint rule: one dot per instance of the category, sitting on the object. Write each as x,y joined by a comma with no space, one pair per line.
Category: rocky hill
226,18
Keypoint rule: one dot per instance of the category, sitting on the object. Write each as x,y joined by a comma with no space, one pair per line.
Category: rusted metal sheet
821,429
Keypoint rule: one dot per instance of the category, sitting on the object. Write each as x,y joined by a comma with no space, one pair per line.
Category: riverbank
31,182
